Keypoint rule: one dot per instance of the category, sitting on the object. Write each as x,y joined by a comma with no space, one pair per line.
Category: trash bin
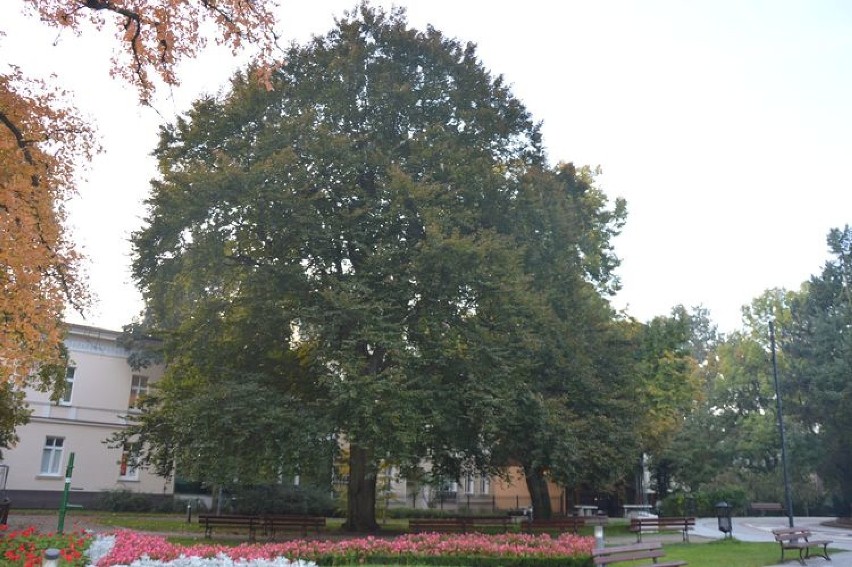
5,504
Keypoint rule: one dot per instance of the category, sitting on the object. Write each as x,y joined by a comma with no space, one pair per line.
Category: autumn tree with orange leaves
44,143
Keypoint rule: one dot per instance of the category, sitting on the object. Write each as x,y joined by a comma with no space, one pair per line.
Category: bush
703,502
282,499
127,501
124,501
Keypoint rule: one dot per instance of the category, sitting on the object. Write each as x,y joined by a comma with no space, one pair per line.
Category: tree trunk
361,504
539,492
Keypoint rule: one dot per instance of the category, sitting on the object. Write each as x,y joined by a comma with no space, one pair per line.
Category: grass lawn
728,552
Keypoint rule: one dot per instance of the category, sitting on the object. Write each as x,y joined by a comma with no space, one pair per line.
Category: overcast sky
725,124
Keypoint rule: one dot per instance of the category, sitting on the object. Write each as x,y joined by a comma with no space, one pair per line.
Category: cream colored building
101,389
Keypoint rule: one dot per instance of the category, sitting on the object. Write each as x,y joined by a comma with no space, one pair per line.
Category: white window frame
138,389
469,484
68,391
51,456
484,485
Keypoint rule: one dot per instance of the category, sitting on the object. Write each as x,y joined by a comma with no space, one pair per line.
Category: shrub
282,499
124,501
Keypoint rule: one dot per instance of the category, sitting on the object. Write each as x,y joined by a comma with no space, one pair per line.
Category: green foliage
818,344
127,501
376,251
703,503
123,501
667,383
13,413
282,499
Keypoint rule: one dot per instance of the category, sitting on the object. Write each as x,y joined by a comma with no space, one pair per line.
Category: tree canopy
384,218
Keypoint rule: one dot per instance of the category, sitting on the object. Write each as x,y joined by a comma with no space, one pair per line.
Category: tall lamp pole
787,493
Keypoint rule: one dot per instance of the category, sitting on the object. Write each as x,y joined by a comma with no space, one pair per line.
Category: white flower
102,545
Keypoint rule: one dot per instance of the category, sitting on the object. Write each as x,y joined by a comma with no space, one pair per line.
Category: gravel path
49,522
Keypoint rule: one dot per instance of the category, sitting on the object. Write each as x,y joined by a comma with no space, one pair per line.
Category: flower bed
26,547
478,550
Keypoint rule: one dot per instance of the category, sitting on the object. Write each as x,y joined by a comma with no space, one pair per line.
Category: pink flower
130,546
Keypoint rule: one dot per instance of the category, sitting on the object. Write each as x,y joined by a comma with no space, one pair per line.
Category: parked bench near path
800,539
671,523
652,550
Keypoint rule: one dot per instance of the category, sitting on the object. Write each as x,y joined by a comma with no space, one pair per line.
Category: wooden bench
635,552
565,524
252,523
800,539
764,507
301,524
460,524
488,523
672,523
453,525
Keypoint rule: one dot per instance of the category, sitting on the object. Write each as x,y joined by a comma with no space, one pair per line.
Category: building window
469,484
65,399
484,485
138,389
51,456
127,469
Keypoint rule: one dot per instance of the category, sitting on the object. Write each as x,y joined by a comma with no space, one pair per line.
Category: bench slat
625,553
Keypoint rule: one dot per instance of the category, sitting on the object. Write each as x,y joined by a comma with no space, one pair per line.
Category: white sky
726,124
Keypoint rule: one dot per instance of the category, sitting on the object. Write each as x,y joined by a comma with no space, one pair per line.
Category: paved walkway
760,529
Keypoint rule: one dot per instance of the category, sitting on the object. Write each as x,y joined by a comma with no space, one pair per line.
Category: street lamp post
787,493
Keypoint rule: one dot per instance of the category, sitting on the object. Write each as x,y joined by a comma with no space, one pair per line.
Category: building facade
100,391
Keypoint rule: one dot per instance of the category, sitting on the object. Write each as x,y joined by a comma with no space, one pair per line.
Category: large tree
818,388
44,141
375,206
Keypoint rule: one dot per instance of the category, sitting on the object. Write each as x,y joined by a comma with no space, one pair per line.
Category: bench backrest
297,520
790,534
226,518
570,521
664,521
607,555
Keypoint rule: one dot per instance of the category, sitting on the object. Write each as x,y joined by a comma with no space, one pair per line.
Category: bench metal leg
824,553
